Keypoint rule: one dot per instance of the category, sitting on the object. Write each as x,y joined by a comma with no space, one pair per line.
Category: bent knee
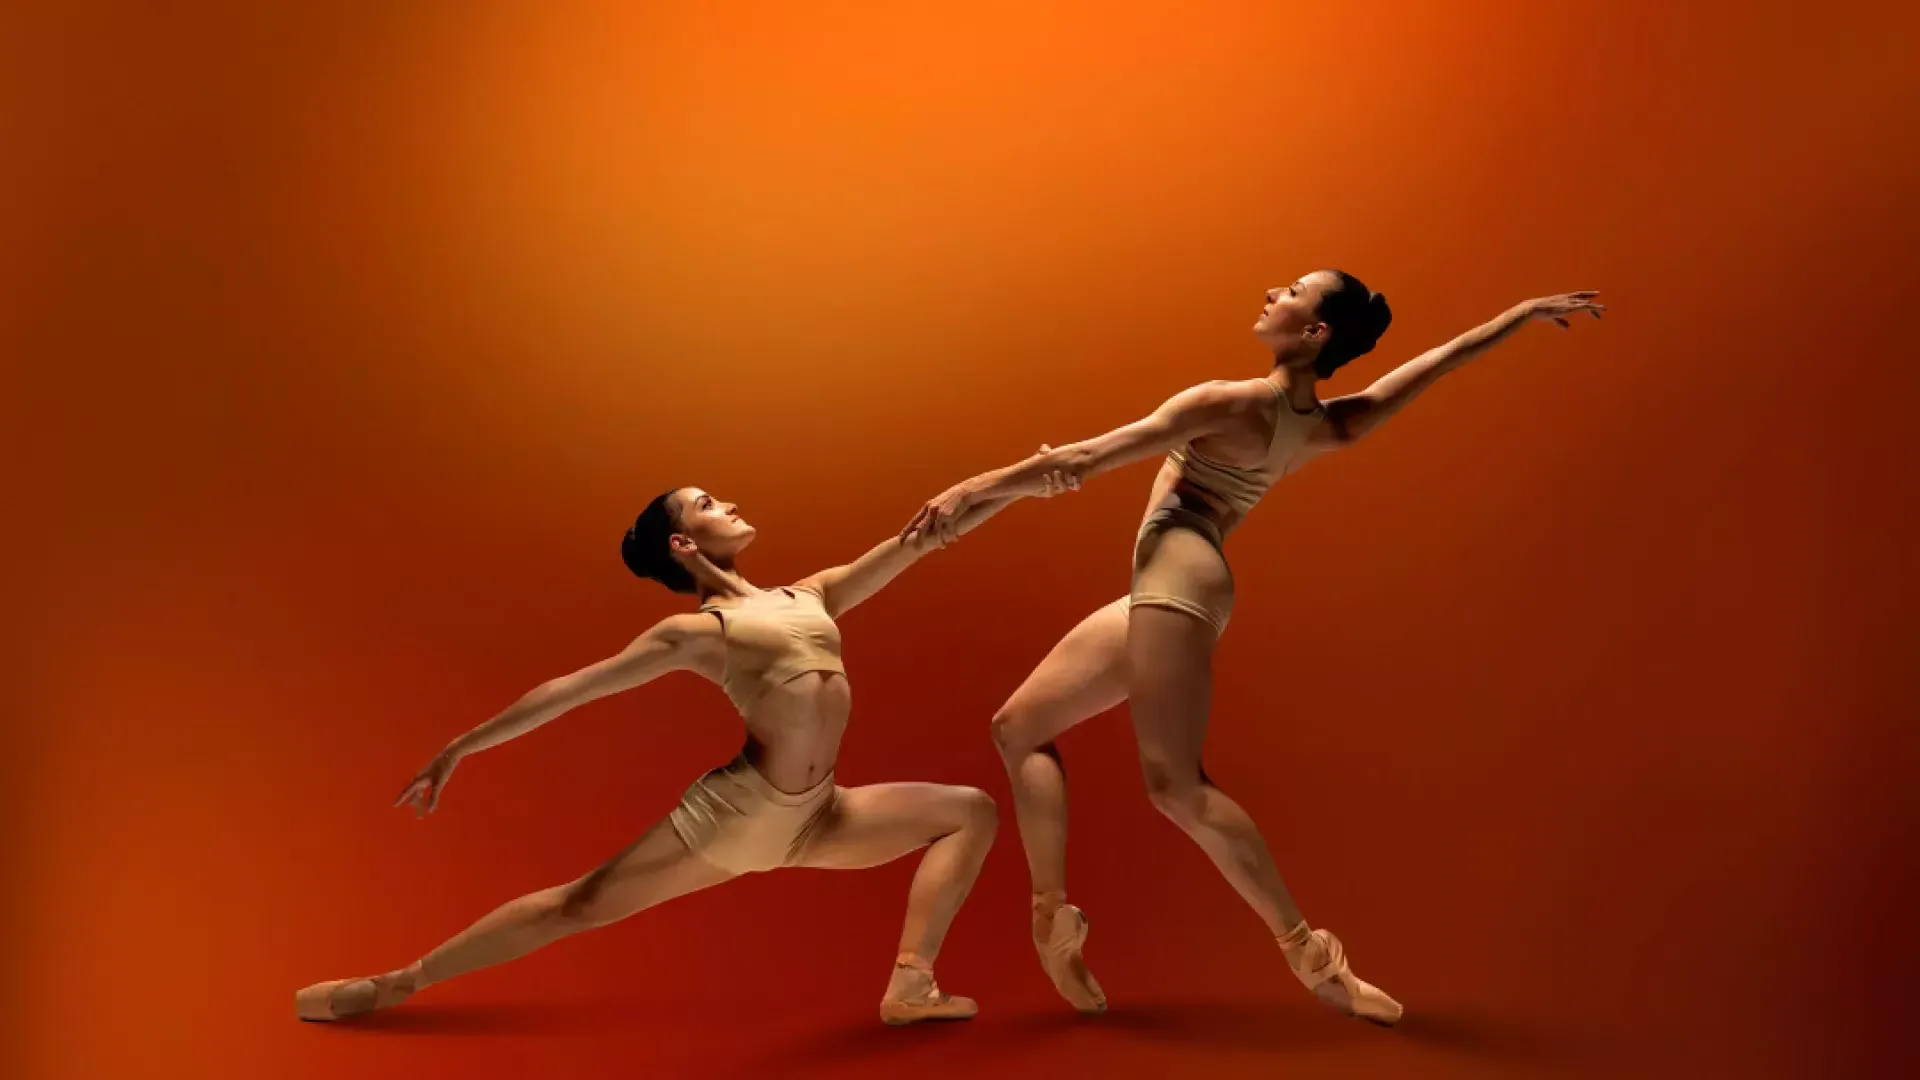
1005,728
978,812
1014,733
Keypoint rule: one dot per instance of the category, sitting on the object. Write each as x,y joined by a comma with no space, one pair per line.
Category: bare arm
844,587
664,648
1352,417
1192,413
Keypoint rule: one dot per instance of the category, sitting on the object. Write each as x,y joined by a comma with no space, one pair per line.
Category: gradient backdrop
342,340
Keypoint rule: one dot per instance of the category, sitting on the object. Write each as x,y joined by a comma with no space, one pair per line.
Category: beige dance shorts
735,820
1179,563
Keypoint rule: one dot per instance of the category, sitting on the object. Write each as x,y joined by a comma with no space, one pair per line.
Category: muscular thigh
652,869
878,823
1083,676
1170,663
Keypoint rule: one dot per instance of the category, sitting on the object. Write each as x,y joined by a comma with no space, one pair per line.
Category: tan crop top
1241,486
773,637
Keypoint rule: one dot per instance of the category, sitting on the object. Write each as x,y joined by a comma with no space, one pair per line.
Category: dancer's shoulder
686,628
1229,395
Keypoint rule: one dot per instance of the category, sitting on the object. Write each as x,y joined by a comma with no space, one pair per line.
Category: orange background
343,340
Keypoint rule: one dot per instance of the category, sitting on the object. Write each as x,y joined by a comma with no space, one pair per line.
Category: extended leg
1170,655
656,868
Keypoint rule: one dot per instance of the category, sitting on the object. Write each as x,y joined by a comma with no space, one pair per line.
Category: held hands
423,794
1559,307
938,522
1057,481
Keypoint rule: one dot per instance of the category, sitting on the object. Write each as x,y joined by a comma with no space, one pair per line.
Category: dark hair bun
633,556
1357,316
646,551
1379,315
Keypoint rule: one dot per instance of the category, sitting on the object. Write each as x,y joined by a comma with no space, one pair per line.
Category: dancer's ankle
1045,906
912,979
1295,939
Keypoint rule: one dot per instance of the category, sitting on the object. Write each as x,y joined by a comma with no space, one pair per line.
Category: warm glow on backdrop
342,340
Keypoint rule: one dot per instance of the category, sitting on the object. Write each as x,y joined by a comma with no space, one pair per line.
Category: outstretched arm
1356,415
844,587
663,648
1190,414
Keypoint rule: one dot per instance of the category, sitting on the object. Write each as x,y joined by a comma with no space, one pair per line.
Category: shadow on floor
564,1017
1247,1026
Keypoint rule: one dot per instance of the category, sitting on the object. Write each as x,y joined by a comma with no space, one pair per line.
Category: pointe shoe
1059,939
1319,961
341,998
913,996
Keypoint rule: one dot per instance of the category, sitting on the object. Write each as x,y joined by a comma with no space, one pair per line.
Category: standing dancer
1226,444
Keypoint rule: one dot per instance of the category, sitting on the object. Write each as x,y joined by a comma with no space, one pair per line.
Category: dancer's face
713,528
1291,321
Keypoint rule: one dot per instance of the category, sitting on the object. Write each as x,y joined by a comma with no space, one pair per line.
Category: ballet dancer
776,654
1225,444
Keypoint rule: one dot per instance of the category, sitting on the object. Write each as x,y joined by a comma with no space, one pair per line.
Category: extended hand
424,792
938,521
1559,307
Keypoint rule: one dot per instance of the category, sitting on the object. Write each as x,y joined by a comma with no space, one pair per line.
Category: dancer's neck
1300,388
720,583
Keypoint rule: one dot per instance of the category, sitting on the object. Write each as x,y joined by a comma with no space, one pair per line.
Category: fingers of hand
914,524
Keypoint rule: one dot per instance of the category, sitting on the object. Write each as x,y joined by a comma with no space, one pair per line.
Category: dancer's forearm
535,708
660,650
1409,379
978,514
1187,415
1352,417
845,587
1023,479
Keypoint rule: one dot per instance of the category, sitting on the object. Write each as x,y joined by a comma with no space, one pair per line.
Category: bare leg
1083,676
656,868
879,823
1170,657
1171,660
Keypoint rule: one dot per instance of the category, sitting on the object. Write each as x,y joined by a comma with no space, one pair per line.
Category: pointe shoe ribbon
325,1001
1332,980
929,1004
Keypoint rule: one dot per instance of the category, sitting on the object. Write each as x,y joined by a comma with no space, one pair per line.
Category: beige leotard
1179,558
773,637
733,817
